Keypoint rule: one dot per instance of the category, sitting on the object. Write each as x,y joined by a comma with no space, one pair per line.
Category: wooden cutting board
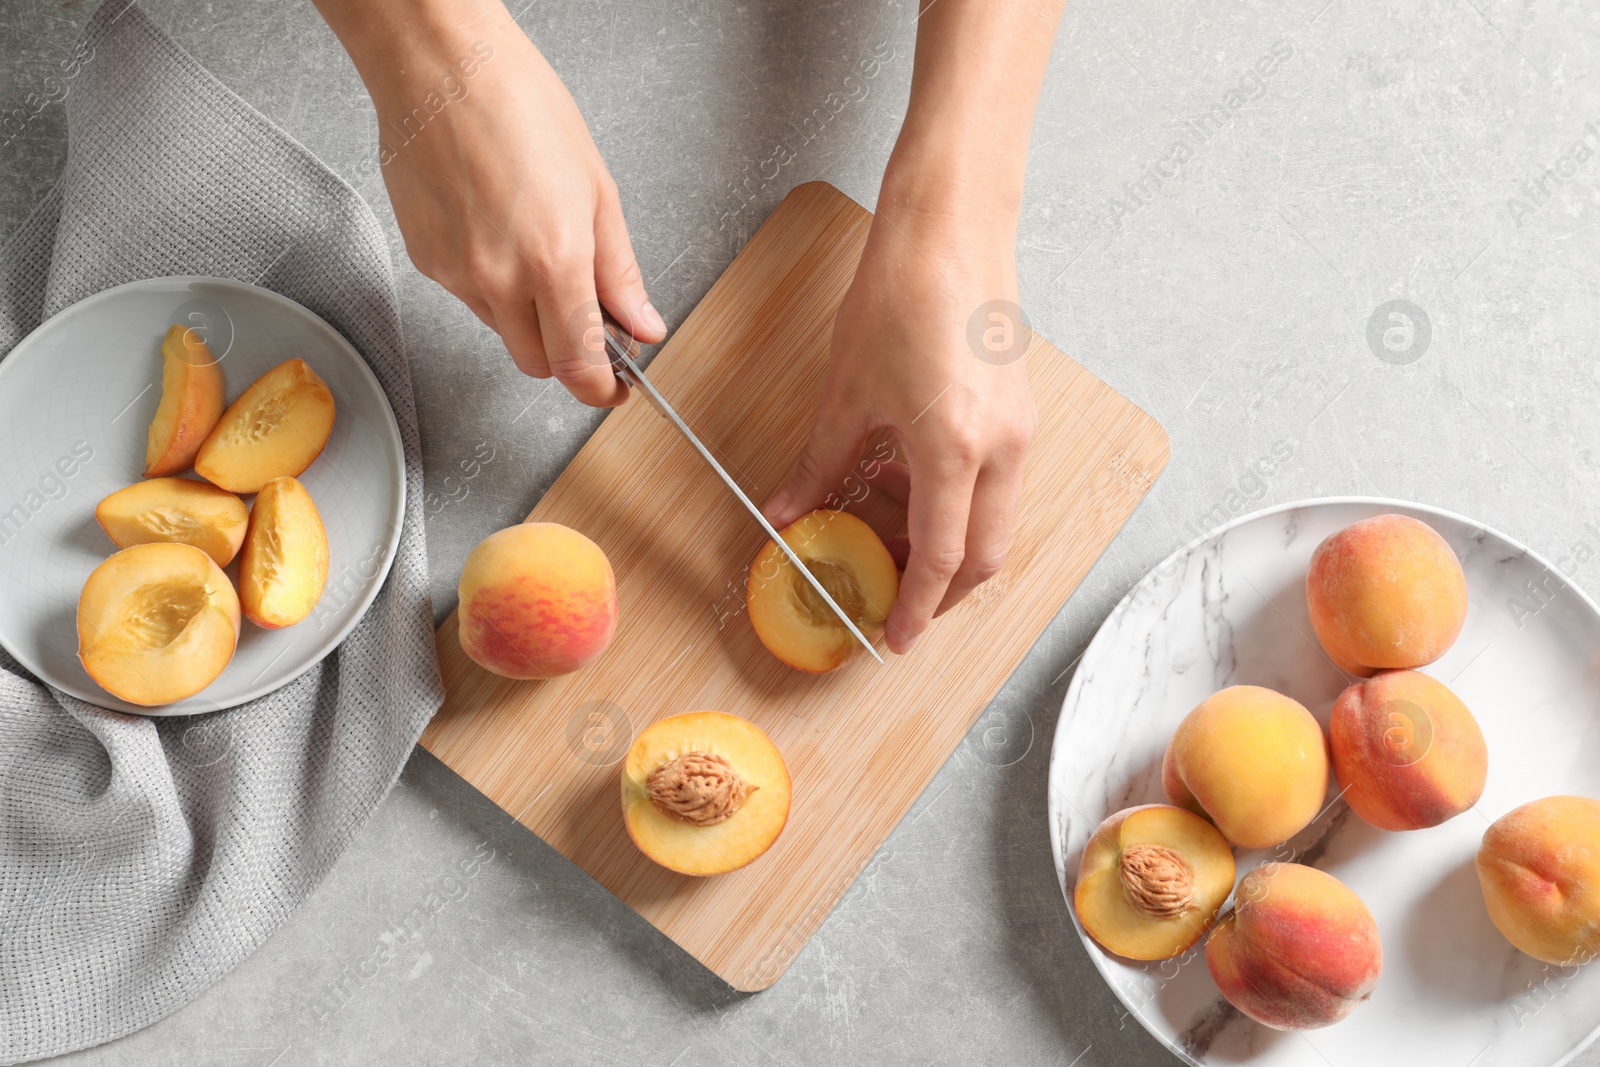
745,370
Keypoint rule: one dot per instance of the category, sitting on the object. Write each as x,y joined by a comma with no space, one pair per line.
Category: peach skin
191,403
1385,592
1539,867
1407,751
538,600
1252,761
1299,949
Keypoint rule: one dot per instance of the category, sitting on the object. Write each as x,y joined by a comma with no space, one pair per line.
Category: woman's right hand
499,190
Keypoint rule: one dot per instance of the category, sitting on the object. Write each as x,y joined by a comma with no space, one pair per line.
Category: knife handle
618,342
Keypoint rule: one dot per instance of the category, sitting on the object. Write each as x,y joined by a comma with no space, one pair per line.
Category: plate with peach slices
1325,790
203,494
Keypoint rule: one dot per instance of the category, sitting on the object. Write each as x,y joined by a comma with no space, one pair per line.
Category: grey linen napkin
141,859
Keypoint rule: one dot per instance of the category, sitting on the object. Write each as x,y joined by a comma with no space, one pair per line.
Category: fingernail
652,317
775,506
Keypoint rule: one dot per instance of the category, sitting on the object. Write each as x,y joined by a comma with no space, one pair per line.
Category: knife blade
622,350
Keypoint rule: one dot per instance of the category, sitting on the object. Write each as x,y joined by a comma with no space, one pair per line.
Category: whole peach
1385,592
1539,867
538,600
1299,950
1407,751
1251,760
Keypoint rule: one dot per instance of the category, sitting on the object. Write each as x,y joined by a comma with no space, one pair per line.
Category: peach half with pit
157,623
704,793
274,430
1406,750
538,600
851,562
284,564
179,511
192,394
1152,880
1298,950
1252,761
1386,592
1539,868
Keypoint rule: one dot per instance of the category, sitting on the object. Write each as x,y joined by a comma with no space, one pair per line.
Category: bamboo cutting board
745,370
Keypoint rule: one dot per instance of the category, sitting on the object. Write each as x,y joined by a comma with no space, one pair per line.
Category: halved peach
157,623
1152,880
274,430
191,402
284,564
176,510
852,564
704,793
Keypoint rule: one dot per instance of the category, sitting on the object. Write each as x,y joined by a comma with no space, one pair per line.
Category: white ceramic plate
76,398
1230,609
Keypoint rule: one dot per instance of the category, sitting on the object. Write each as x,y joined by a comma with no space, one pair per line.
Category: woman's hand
500,193
905,355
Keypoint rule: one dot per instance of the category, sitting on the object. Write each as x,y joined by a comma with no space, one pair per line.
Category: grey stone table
1211,242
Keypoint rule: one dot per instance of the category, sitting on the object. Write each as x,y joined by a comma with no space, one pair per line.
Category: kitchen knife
621,350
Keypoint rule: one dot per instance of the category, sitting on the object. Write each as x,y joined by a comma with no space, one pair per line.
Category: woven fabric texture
141,859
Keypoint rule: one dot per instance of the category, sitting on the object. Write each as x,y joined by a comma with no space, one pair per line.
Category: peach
178,510
538,600
1152,880
1298,950
1385,592
274,430
1539,867
1407,751
1252,761
191,403
704,793
853,565
284,564
157,623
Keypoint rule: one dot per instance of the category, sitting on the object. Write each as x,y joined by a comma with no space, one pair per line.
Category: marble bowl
1230,609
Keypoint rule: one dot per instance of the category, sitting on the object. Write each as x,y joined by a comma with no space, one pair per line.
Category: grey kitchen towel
141,859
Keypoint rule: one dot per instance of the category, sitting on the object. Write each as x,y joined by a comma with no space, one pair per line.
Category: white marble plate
76,398
1230,609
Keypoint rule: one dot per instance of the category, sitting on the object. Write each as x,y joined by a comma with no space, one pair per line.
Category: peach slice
284,564
157,623
852,564
177,510
1407,751
1299,950
538,600
704,793
191,403
1152,880
274,430
1539,867
1386,592
1252,761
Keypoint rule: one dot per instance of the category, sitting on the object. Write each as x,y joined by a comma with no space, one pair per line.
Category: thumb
830,455
617,280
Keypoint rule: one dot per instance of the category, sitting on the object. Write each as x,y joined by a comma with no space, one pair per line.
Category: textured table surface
1223,275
